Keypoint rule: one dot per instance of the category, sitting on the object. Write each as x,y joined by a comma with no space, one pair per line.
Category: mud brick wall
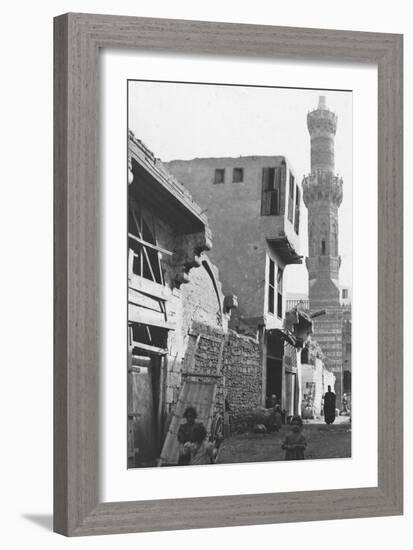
243,373
208,359
208,354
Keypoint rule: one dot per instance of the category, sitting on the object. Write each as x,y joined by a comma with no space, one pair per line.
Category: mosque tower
322,194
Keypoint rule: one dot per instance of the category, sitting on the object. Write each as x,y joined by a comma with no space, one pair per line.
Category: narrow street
323,441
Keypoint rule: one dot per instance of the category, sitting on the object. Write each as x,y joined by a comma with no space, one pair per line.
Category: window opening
280,292
271,287
238,175
297,210
143,245
291,199
270,196
219,175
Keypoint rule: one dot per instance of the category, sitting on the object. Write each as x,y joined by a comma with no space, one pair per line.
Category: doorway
274,368
146,372
274,379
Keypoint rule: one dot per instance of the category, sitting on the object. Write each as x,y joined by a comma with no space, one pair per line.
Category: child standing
295,443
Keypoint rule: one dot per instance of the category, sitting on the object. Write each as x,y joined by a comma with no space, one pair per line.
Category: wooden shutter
297,210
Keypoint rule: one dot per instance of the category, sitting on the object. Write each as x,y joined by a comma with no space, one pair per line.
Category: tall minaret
323,193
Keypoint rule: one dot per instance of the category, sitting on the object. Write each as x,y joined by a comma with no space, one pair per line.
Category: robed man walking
329,406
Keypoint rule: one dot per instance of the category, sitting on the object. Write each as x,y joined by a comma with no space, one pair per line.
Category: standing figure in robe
329,406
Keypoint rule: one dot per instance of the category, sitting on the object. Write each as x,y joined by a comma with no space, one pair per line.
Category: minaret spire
322,125
322,103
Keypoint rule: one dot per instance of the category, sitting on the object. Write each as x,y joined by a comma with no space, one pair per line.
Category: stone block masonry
236,362
242,368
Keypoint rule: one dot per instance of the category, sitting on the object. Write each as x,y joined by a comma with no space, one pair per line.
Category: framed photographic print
228,274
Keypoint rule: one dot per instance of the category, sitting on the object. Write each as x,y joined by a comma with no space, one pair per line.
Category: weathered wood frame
78,39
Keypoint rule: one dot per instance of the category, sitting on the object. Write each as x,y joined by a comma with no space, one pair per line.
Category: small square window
219,175
238,175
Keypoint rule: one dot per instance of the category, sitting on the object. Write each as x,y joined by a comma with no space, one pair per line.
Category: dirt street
333,441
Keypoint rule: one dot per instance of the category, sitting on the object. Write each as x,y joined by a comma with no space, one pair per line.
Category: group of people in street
295,443
195,448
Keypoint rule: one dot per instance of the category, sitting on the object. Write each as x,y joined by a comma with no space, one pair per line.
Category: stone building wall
208,359
233,360
199,342
312,386
329,379
243,373
202,297
195,346
234,212
315,380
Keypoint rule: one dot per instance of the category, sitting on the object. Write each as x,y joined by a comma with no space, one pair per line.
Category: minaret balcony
317,265
322,185
321,122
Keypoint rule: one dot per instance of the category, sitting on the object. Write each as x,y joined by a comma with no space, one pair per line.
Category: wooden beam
147,347
139,361
147,286
149,317
201,375
154,246
143,300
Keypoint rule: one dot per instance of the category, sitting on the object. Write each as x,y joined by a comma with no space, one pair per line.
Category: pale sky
184,121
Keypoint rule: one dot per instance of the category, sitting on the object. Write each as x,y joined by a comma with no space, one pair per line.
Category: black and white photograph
239,239
219,223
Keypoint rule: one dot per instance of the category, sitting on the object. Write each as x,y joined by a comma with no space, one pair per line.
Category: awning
285,250
285,335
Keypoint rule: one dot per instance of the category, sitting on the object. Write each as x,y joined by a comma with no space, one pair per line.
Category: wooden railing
301,304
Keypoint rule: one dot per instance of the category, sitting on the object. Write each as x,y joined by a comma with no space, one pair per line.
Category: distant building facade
315,380
323,194
253,208
347,352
